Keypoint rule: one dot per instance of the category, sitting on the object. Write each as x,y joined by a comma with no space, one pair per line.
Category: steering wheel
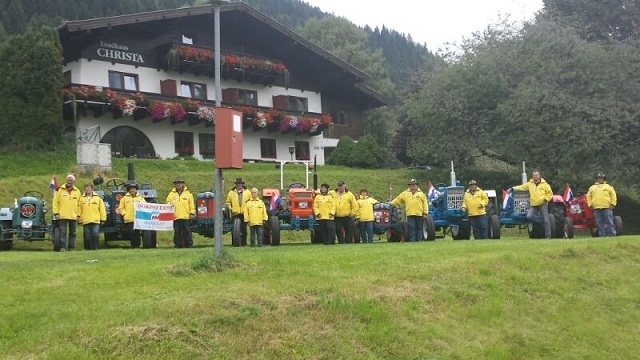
35,194
115,184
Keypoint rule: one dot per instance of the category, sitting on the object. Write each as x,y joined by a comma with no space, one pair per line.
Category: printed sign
149,216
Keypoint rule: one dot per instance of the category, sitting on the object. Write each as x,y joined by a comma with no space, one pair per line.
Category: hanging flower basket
139,114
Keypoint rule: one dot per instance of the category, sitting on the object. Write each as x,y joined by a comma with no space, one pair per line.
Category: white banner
149,216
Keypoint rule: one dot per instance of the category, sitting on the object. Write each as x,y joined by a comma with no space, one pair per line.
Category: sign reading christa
115,51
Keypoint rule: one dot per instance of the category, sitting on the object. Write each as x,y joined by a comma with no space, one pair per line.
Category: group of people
72,208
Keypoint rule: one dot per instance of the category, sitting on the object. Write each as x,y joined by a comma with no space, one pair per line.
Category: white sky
434,22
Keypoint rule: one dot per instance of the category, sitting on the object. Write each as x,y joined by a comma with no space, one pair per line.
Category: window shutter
281,102
168,87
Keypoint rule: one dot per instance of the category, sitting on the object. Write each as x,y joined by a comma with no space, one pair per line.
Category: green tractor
25,221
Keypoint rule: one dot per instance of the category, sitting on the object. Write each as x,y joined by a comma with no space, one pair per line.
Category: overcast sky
429,21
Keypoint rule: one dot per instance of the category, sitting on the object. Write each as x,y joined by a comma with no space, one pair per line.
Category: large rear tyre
552,226
273,230
236,233
494,227
617,225
6,245
428,229
394,233
149,239
460,232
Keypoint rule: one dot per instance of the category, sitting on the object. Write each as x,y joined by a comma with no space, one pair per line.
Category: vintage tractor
26,221
296,215
581,216
387,219
558,208
445,212
205,217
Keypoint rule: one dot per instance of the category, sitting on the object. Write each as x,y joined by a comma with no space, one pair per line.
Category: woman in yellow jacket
416,209
324,209
365,216
539,195
91,214
126,209
255,213
474,203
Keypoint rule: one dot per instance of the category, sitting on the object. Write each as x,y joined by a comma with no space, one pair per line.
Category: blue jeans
414,228
479,225
532,215
256,231
91,236
366,231
604,217
62,242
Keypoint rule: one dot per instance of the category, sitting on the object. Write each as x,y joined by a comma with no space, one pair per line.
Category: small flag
431,194
568,193
53,184
505,199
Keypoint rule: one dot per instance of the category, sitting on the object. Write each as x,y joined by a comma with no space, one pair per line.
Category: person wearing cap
474,203
539,195
346,210
415,208
602,199
184,212
65,212
126,209
324,209
91,214
236,198
365,216
255,213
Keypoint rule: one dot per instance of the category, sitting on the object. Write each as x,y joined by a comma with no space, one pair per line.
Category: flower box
139,114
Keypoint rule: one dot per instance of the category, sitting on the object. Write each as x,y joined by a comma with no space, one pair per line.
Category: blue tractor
26,220
445,210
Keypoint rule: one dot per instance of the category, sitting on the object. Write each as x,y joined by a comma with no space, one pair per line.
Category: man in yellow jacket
365,216
602,199
539,195
474,203
91,214
324,209
346,210
236,198
255,213
65,211
415,208
126,209
184,212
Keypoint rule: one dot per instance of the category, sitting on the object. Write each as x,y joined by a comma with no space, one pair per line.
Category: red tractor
581,216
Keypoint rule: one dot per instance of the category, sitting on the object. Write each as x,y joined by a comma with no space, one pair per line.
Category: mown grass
512,298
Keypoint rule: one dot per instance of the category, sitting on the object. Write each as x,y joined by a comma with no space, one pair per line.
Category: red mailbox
228,138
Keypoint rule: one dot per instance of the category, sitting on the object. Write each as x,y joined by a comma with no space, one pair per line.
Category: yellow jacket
472,202
365,208
126,207
346,204
91,210
601,196
538,194
255,212
183,202
415,204
324,207
232,201
65,203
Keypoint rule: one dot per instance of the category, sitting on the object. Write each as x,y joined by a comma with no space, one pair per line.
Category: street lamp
291,151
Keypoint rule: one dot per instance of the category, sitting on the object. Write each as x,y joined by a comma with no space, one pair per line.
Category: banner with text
149,216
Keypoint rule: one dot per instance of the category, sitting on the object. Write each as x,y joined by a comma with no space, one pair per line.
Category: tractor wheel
6,245
617,225
428,229
396,214
236,233
567,228
398,232
460,232
494,227
149,239
594,232
552,226
356,233
273,229
315,235
535,231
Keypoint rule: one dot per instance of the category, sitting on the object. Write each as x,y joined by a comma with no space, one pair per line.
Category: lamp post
217,182
291,151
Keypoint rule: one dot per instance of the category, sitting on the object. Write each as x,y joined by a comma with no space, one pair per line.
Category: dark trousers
256,232
136,235
327,231
182,234
91,236
71,225
414,228
479,225
344,229
243,229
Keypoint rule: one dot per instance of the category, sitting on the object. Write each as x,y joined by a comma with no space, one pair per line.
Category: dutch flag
505,199
53,184
568,193
431,194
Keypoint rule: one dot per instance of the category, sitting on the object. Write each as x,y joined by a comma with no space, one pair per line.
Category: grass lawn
493,299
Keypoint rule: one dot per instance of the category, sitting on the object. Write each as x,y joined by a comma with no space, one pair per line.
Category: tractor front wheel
567,228
272,231
428,229
494,227
617,225
236,232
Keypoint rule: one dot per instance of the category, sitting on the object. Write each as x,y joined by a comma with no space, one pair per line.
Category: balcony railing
233,66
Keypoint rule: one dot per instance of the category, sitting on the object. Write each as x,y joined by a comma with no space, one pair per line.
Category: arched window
129,142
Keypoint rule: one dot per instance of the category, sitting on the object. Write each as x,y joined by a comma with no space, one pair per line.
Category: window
302,150
183,142
118,80
268,148
207,145
297,104
247,97
187,39
341,116
193,90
